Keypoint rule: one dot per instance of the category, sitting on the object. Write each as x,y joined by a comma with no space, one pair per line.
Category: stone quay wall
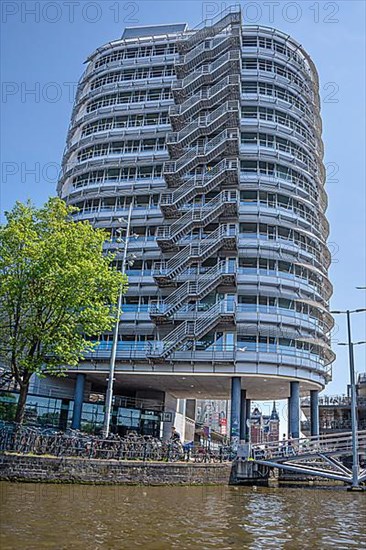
25,468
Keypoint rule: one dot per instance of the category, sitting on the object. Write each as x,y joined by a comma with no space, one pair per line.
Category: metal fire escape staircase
224,173
224,143
206,75
218,275
166,271
224,203
193,330
204,152
228,88
210,27
209,49
225,116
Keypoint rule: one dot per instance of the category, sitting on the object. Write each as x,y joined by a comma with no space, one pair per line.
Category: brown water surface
38,516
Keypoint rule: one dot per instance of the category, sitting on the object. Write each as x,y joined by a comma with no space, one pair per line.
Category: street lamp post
350,344
112,364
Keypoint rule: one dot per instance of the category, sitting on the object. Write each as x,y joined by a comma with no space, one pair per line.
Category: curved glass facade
215,136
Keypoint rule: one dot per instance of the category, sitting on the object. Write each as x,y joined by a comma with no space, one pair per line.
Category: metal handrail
197,182
203,121
310,445
192,329
221,43
194,153
231,15
189,288
197,214
334,401
205,94
178,262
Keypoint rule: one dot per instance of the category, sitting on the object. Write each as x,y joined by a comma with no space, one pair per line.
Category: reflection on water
159,518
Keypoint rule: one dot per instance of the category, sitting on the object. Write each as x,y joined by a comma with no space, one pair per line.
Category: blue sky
44,45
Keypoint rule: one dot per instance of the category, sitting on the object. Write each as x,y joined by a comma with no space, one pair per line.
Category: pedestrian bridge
316,456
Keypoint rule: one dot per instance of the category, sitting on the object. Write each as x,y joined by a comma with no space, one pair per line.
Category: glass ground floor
127,415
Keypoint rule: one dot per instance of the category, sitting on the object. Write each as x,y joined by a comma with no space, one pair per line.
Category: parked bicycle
73,443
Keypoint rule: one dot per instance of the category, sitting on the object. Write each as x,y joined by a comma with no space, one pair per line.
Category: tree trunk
19,415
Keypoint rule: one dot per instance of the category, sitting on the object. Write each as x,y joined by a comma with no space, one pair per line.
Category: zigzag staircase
193,330
225,202
224,173
218,275
226,143
166,271
204,153
226,89
227,115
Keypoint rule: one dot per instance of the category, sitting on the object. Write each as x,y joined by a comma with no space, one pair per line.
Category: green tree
56,290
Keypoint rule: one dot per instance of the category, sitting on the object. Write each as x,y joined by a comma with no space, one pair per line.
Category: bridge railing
340,443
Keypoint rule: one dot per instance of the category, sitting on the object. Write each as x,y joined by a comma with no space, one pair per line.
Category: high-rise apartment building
213,135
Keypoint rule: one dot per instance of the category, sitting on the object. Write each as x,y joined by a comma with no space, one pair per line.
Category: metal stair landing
209,97
205,283
165,272
210,27
193,330
226,203
226,172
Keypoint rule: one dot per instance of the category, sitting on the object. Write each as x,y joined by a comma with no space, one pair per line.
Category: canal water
37,516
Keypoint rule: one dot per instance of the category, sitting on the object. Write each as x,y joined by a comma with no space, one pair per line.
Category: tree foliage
56,290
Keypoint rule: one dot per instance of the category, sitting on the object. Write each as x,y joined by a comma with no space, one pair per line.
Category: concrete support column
190,419
170,407
243,414
248,406
314,412
294,410
64,414
78,401
235,409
